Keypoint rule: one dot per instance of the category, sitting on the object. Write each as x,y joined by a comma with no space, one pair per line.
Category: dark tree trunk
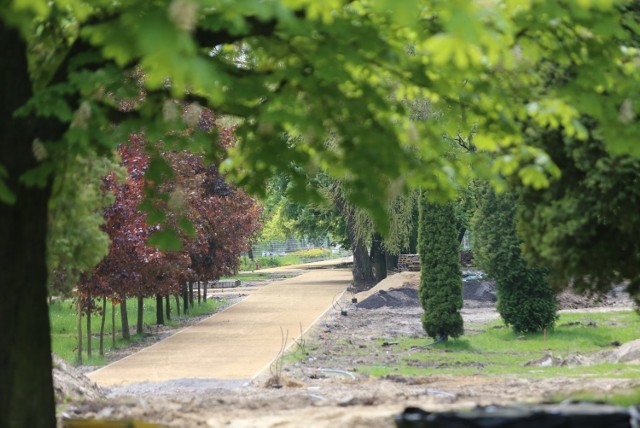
191,301
168,307
362,270
177,304
89,331
206,289
199,295
378,258
140,323
392,262
124,319
26,384
104,317
79,354
159,310
113,324
185,298
461,231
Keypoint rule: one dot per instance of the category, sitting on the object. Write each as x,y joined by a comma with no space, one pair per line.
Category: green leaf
166,240
38,176
187,226
6,195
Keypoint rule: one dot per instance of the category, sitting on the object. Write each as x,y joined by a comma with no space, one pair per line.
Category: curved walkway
241,341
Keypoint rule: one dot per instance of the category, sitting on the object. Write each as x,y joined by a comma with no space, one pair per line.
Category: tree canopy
340,69
584,227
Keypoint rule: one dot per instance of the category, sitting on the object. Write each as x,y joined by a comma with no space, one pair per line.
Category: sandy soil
313,395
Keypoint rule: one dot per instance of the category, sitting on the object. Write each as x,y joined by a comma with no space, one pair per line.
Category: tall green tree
584,226
76,241
526,302
341,69
440,287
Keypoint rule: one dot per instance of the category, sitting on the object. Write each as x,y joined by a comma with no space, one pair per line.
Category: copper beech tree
220,219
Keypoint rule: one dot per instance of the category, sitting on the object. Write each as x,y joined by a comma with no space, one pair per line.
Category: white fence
281,248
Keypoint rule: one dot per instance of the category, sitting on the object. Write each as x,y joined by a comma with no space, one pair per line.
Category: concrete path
243,340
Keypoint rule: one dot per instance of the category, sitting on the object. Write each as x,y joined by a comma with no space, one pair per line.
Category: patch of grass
64,334
495,350
269,262
249,276
314,253
294,258
626,399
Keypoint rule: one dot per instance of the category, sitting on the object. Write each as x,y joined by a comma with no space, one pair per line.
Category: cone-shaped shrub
441,279
525,300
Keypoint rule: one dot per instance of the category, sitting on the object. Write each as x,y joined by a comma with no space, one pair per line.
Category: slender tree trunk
26,384
89,331
104,317
185,298
206,290
139,327
168,307
79,356
124,319
199,296
159,310
113,324
378,258
177,303
362,270
191,301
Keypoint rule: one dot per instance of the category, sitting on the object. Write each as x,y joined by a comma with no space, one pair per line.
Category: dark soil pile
394,298
475,288
482,291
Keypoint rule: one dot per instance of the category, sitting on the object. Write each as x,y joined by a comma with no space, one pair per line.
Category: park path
241,341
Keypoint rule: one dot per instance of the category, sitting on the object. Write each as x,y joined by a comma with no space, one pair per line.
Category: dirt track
240,342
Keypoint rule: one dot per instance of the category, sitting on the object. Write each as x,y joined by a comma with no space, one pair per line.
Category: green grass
63,316
630,398
314,253
497,350
294,258
270,261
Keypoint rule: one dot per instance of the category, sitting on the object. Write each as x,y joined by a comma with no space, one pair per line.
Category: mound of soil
70,384
402,279
394,298
569,299
628,353
479,290
401,291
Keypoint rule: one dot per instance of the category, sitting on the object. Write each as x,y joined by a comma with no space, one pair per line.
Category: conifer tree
441,279
526,302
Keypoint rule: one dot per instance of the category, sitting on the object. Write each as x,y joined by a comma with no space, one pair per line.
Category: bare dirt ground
325,389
